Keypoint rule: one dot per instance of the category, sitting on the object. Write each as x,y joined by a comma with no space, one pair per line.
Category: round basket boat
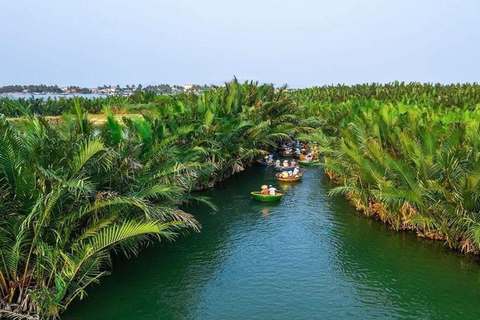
289,179
257,195
308,163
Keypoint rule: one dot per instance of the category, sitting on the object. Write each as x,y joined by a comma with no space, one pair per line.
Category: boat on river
298,177
308,163
257,195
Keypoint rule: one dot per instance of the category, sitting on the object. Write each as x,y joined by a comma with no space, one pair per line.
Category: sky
301,43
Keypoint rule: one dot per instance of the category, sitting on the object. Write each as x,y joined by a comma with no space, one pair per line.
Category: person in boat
284,174
296,171
309,157
278,164
290,174
298,152
270,158
293,163
272,191
285,164
302,157
265,190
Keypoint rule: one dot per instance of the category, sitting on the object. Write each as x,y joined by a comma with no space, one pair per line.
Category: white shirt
272,191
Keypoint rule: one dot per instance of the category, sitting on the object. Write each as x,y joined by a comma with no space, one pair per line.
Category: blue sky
301,43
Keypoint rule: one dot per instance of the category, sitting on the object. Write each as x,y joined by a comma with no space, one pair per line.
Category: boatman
272,190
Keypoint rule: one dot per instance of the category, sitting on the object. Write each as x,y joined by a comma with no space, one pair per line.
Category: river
308,257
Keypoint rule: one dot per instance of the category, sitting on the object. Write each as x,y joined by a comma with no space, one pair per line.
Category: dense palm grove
407,154
73,192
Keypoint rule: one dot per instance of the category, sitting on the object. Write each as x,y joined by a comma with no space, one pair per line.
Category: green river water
308,257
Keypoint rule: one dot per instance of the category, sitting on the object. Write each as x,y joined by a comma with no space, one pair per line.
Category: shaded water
308,257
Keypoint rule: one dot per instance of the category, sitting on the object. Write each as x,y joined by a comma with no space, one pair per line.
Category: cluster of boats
289,170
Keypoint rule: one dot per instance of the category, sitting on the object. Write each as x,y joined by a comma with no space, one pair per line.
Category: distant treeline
159,89
30,89
415,92
434,95
56,106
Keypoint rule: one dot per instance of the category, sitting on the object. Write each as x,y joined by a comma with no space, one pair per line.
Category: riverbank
83,191
408,156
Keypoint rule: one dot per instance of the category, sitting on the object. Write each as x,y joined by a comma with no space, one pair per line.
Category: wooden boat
308,163
257,195
264,163
289,179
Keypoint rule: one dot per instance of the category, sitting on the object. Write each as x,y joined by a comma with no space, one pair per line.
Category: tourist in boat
309,157
293,163
270,158
272,190
290,174
296,171
298,152
265,190
285,164
278,164
302,157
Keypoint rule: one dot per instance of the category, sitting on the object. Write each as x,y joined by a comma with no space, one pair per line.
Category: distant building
189,86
